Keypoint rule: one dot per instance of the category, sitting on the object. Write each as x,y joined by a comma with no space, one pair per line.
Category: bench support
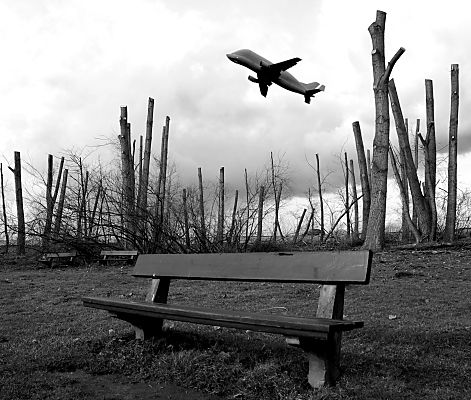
324,356
324,359
158,293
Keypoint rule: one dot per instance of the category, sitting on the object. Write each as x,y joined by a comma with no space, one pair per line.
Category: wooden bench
60,258
320,337
123,256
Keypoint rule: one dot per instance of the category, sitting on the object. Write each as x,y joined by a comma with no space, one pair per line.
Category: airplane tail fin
311,90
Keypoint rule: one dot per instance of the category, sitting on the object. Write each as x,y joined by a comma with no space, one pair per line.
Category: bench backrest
60,255
313,267
118,253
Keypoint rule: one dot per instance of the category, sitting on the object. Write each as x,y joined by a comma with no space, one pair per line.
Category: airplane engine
252,79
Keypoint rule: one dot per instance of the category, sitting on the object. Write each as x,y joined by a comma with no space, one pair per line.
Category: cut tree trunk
127,175
298,228
321,201
430,153
450,223
374,239
260,215
420,204
144,183
405,199
364,177
186,222
233,219
355,201
60,205
201,206
347,213
402,192
161,189
21,234
5,221
221,212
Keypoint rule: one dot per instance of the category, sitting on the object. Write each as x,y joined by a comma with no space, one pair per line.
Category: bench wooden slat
322,267
287,325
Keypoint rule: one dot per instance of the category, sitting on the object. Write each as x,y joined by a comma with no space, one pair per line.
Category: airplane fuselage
256,63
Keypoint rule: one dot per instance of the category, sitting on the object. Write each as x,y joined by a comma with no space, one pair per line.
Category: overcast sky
67,67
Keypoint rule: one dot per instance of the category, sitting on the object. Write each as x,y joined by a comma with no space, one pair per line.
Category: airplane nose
231,57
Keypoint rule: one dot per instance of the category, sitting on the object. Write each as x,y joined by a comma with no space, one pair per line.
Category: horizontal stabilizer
311,90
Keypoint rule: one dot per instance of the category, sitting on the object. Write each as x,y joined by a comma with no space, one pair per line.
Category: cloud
71,65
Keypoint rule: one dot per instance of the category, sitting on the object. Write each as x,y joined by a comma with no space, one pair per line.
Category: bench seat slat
298,326
321,267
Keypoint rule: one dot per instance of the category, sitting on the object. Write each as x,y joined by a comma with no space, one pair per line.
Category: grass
415,343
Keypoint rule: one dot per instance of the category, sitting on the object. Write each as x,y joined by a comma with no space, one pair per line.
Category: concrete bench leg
324,360
144,332
157,293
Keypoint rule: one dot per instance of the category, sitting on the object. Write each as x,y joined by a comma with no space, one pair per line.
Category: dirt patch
117,387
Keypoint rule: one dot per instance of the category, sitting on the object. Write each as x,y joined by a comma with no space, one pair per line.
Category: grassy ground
415,344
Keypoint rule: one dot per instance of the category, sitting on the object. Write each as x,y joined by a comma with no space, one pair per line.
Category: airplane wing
276,68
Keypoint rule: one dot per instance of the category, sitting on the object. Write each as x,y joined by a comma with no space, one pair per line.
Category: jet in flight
268,73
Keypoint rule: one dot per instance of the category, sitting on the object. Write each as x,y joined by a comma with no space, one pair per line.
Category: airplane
268,73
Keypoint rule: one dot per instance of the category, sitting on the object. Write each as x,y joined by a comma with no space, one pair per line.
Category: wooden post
21,236
449,234
5,221
260,214
364,177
